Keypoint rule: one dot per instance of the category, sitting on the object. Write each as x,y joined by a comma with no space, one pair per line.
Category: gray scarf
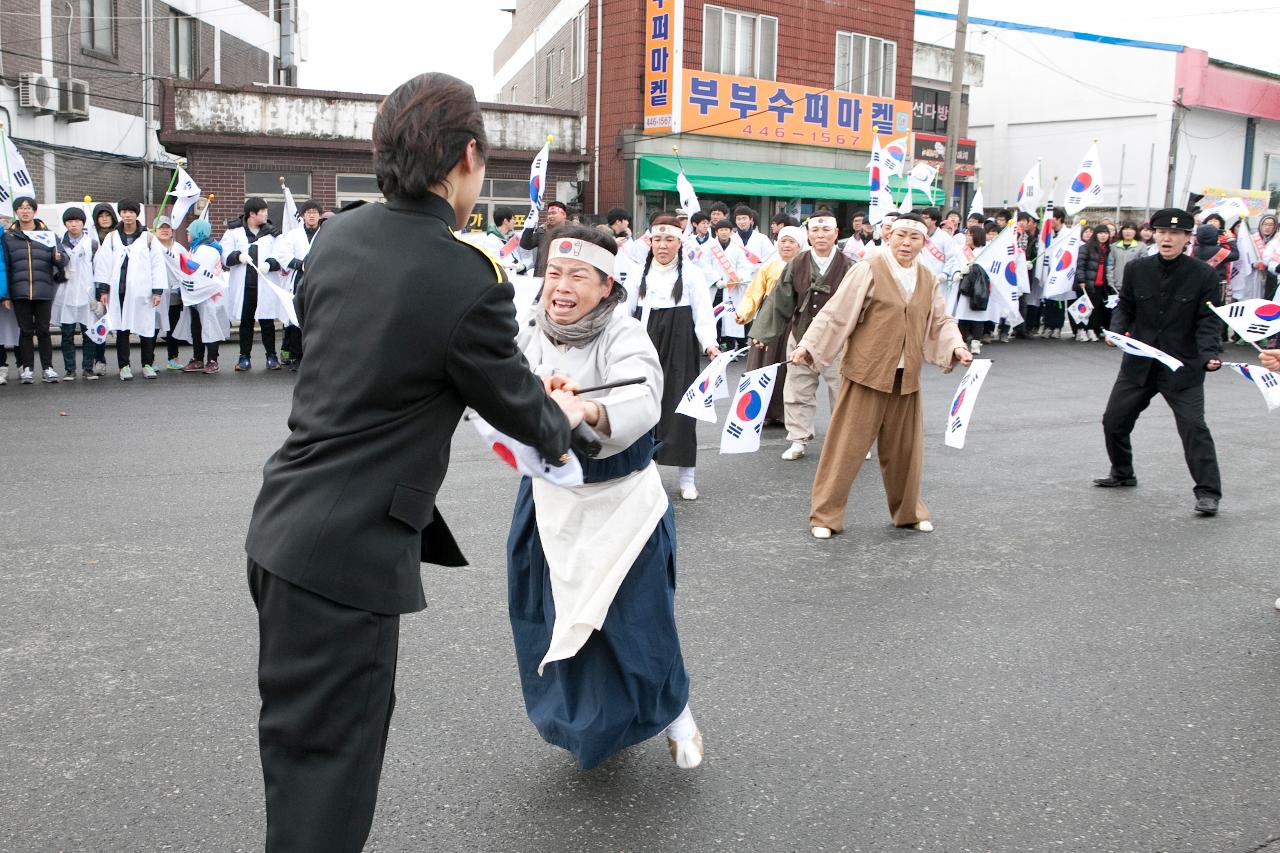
586,329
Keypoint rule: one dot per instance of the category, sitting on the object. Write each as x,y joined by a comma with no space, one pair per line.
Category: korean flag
746,415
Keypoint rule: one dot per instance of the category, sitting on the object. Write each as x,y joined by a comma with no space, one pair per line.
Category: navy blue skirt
628,682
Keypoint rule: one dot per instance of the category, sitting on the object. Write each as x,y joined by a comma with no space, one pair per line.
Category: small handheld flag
1133,346
962,402
746,416
698,402
99,330
1086,187
1082,309
525,459
1267,382
1251,319
1029,190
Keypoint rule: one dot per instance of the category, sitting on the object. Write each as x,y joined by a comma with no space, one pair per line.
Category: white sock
683,727
686,477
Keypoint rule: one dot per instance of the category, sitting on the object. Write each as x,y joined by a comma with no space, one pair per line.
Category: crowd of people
118,276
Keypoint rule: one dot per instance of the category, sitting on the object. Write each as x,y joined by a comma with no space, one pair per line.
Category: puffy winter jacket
32,272
1118,258
1091,258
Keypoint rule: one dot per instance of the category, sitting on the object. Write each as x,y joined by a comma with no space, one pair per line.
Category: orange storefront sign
767,110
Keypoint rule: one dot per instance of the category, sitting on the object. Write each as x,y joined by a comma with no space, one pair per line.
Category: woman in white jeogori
591,568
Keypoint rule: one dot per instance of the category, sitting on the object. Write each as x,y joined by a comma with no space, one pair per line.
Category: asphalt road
1057,667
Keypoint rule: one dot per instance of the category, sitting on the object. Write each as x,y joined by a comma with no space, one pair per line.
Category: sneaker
795,451
687,753
100,368
285,356
4,376
173,364
975,346
1055,334
193,366
126,373
25,376
273,363
211,367
49,375
69,376
1093,336
149,372
1081,337
89,375
1004,337
243,364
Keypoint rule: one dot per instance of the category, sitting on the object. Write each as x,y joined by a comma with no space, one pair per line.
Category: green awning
776,180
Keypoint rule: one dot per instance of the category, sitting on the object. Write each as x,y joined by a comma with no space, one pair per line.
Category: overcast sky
375,45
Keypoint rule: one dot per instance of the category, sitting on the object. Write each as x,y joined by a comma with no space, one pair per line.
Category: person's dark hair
1060,214
617,214
1003,213
310,205
979,235
725,225
1222,223
253,204
559,204
991,228
974,217
782,219
25,199
909,217
720,206
930,212
586,234
743,210
677,289
73,213
822,211
950,212
502,214
1022,214
421,132
129,204
698,217
856,214
1131,225
1096,244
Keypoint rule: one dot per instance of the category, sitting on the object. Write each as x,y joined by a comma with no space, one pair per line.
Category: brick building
240,142
82,81
822,78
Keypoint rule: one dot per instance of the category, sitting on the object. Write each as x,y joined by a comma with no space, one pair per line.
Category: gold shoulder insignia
498,271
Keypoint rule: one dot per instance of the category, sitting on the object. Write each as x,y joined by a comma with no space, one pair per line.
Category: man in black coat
1164,303
403,326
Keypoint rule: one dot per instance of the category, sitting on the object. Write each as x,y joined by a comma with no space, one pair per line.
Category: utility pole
953,117
1174,127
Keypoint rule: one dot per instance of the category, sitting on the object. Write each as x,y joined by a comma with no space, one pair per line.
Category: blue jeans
92,352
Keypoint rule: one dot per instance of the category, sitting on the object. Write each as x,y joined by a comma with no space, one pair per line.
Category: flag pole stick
4,146
621,383
173,182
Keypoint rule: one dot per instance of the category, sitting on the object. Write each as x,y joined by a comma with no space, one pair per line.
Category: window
546,78
739,43
580,45
866,64
1271,179
349,188
267,186
98,26
562,61
182,47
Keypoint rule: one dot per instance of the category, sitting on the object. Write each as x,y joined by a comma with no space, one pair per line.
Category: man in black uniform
403,326
1164,303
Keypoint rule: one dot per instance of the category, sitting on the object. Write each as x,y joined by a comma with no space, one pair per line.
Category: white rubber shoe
795,451
820,532
687,753
923,526
689,493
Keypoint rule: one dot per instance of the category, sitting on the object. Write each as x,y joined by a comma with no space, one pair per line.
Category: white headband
909,225
796,233
823,222
580,250
669,230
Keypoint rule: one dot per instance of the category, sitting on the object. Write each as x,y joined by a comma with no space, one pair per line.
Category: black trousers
175,314
198,346
33,318
266,327
1129,399
327,675
124,351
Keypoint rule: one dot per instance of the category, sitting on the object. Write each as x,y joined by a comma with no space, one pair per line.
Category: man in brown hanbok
888,317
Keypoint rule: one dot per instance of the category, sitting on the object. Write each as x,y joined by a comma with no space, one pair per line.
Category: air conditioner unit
37,92
73,99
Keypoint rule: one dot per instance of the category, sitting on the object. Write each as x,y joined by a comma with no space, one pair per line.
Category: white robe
758,245
215,318
733,282
269,305
146,273
941,244
593,533
293,246
695,293
75,295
